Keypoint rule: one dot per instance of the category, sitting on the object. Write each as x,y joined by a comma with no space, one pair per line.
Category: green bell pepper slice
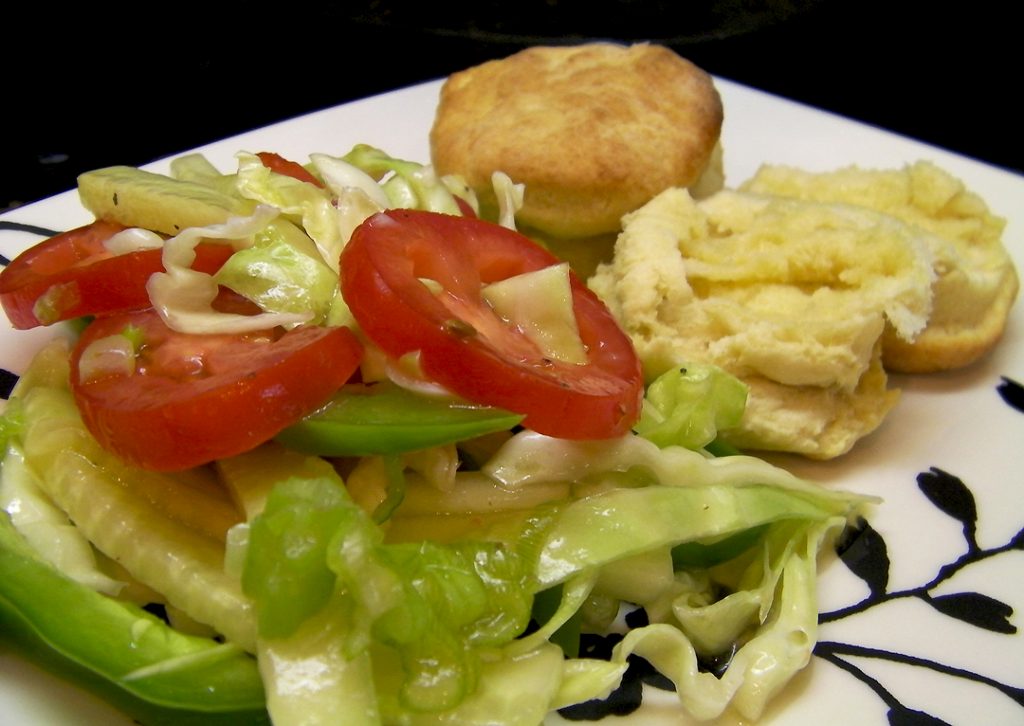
690,555
120,651
383,418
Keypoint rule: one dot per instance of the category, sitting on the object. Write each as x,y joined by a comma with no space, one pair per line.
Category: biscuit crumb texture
791,296
594,131
976,282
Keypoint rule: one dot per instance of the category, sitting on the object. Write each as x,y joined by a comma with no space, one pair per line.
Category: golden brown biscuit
594,131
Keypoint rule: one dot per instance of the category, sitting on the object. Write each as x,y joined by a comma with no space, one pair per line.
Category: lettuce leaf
184,297
688,406
407,184
282,272
439,623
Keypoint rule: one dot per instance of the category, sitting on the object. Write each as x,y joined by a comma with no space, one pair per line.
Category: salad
326,446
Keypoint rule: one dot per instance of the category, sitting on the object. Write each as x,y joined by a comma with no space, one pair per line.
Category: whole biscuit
594,131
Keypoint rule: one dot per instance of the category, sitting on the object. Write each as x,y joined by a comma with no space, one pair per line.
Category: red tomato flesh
195,398
74,274
464,345
280,165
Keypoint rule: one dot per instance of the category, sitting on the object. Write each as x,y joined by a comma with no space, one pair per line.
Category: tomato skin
280,165
78,276
464,207
196,398
464,345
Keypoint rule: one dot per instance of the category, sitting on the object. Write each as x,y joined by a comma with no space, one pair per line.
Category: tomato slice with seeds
73,274
190,399
464,345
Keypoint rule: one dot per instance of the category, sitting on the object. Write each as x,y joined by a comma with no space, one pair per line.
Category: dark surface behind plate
100,85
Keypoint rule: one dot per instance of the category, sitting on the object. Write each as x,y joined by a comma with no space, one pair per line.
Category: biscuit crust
594,131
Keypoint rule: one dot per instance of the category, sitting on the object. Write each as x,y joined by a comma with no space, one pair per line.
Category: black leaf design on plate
623,700
9,226
7,382
952,497
1012,392
976,609
863,550
903,716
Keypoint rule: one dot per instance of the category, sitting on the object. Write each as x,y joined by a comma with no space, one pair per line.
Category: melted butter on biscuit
790,296
976,283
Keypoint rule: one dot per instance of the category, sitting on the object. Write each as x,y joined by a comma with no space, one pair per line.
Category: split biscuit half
976,282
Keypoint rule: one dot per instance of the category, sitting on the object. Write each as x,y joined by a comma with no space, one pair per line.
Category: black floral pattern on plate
9,226
864,552
1012,392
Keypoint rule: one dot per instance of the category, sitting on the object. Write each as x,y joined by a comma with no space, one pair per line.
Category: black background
101,85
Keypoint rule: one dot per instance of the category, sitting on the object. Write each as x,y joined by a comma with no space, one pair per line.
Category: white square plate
898,650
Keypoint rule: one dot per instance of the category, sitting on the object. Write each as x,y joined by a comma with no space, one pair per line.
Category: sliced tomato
74,274
192,399
463,344
465,207
280,165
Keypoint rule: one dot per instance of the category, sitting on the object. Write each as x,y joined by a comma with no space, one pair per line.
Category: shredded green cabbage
407,184
443,613
688,406
463,607
184,297
305,204
282,272
434,631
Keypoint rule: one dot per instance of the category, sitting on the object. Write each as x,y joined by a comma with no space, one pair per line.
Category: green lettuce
307,205
435,605
407,184
282,272
688,406
436,625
